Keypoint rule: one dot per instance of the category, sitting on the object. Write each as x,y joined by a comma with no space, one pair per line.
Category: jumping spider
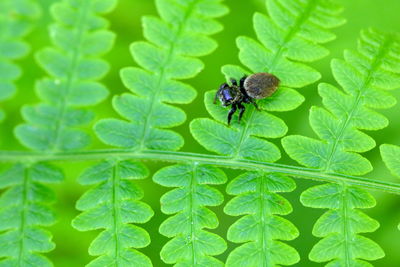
256,86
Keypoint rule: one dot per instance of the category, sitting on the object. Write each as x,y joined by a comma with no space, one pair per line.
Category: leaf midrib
293,30
26,183
345,226
192,185
73,67
181,26
374,66
71,74
116,213
264,208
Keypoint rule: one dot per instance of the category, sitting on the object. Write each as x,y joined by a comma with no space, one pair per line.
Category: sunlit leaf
191,244
114,205
339,125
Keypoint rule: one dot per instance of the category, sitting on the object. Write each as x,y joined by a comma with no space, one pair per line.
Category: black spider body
256,86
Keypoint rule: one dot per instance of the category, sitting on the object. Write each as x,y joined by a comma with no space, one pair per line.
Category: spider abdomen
261,85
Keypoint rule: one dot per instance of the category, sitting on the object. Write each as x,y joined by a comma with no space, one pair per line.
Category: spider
256,86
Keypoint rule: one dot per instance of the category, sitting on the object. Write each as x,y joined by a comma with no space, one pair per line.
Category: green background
125,20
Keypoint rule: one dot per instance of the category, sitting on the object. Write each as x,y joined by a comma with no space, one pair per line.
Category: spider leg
242,110
233,81
252,101
241,83
231,112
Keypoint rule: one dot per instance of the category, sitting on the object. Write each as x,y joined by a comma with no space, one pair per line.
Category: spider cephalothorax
256,86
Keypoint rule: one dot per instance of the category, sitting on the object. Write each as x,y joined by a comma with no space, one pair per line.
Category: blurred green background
125,20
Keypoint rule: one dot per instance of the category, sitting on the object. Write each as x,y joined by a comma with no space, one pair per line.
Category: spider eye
227,95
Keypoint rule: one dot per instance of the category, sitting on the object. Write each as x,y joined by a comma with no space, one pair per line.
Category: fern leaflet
15,24
365,75
260,228
191,245
291,27
113,204
79,38
24,209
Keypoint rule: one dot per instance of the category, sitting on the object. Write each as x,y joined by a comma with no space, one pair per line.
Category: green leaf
24,210
190,243
261,229
391,157
341,225
16,22
73,64
363,75
113,204
338,125
281,47
170,53
227,141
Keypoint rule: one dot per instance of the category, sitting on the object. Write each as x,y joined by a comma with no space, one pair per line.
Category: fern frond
23,210
365,76
260,228
174,42
15,24
113,204
292,32
79,37
191,245
341,225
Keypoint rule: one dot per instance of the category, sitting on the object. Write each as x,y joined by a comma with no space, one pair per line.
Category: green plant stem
221,161
346,225
171,52
83,14
356,104
264,212
116,214
22,226
192,189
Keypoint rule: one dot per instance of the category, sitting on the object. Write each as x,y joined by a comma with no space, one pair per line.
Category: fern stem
191,211
346,226
288,37
292,32
263,214
374,66
74,64
23,217
243,134
116,213
146,124
222,161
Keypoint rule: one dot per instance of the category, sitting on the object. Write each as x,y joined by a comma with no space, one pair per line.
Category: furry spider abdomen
261,85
